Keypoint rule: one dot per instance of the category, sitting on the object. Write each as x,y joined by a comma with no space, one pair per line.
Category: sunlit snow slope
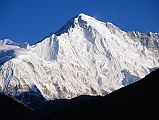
85,57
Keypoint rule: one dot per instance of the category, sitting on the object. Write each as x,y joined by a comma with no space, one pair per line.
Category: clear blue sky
31,20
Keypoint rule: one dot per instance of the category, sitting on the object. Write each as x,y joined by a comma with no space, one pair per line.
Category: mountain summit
85,57
82,21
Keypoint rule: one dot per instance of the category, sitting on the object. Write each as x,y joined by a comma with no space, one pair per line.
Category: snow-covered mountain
85,57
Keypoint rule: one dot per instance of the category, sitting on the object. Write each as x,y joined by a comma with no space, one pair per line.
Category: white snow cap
84,16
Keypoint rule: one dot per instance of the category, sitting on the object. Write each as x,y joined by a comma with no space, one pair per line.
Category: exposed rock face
85,57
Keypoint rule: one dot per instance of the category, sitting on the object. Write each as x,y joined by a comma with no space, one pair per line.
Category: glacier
84,57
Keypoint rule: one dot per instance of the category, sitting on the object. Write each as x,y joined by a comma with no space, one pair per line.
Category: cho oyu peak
85,57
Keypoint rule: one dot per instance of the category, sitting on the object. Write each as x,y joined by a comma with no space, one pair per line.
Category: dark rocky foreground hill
138,101
11,109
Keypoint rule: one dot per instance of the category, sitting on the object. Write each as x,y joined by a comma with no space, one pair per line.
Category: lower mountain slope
138,100
135,101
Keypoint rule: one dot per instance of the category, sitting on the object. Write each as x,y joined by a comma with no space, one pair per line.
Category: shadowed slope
138,100
11,109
